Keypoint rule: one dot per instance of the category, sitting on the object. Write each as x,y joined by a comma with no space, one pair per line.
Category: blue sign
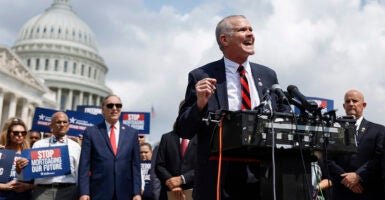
42,119
89,109
137,120
79,121
46,162
6,161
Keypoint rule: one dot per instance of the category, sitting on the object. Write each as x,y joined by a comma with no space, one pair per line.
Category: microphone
294,92
267,98
278,90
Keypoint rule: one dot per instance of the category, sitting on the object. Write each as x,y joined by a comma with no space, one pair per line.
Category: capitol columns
81,98
12,106
98,100
58,97
69,100
24,109
90,99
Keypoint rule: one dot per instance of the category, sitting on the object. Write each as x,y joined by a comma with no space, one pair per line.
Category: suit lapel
104,134
257,79
176,141
221,94
122,139
361,130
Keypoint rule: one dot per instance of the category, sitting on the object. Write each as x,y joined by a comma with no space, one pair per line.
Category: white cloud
324,47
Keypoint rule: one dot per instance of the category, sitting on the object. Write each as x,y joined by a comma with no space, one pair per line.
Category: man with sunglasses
110,160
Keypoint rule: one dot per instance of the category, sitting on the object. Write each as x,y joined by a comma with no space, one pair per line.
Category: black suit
189,123
170,163
366,163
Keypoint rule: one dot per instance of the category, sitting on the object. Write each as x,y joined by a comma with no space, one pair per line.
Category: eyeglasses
23,133
111,105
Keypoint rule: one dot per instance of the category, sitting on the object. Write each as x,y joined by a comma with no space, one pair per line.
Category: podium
248,134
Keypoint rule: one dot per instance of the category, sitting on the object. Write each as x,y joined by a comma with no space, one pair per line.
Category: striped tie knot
241,70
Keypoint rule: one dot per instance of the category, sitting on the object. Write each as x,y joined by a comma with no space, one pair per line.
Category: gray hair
225,27
105,98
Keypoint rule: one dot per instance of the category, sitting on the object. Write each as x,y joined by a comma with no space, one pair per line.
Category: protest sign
6,160
46,162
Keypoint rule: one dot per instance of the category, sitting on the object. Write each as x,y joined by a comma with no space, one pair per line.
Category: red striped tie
246,102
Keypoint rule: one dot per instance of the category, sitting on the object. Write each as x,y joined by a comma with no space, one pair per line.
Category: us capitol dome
61,49
58,52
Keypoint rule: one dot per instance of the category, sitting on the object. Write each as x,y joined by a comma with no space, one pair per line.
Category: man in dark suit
216,86
110,160
357,176
174,170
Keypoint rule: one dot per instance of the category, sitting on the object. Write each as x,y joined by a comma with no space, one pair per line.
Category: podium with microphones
284,142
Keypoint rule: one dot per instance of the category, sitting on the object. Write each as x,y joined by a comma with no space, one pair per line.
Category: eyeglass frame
112,105
17,133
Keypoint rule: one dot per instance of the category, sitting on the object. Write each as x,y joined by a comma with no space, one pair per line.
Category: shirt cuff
183,179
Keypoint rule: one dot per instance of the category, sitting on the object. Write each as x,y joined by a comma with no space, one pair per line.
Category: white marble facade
20,90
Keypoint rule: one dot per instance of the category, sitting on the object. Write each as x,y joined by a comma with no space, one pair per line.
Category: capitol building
54,63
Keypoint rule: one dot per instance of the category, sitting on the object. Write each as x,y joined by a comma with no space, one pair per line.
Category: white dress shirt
234,85
74,153
116,131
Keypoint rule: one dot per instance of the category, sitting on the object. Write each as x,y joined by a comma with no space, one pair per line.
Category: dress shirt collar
358,122
116,125
62,140
233,66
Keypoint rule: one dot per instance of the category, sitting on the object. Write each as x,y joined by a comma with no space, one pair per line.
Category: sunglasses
141,136
111,105
23,133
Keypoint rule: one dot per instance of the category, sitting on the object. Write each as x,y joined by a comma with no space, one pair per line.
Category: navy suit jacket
170,163
102,175
366,163
189,121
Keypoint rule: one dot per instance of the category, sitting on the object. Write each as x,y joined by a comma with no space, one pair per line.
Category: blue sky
323,47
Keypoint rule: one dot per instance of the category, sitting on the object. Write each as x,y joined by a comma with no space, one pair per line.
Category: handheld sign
46,162
137,120
6,160
79,121
42,119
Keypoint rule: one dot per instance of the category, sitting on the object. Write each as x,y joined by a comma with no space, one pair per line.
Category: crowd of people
113,162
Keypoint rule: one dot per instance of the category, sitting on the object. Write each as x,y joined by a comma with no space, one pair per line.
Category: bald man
57,187
357,176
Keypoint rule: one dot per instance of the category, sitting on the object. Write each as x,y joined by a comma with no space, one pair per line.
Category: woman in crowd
13,137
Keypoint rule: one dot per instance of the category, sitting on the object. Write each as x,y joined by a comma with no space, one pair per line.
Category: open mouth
248,42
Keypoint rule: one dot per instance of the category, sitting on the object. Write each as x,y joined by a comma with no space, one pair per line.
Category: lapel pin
362,129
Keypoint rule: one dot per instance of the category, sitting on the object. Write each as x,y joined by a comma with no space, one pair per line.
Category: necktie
183,146
60,140
245,91
112,139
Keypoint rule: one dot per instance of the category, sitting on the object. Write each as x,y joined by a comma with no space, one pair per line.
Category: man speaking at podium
231,83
